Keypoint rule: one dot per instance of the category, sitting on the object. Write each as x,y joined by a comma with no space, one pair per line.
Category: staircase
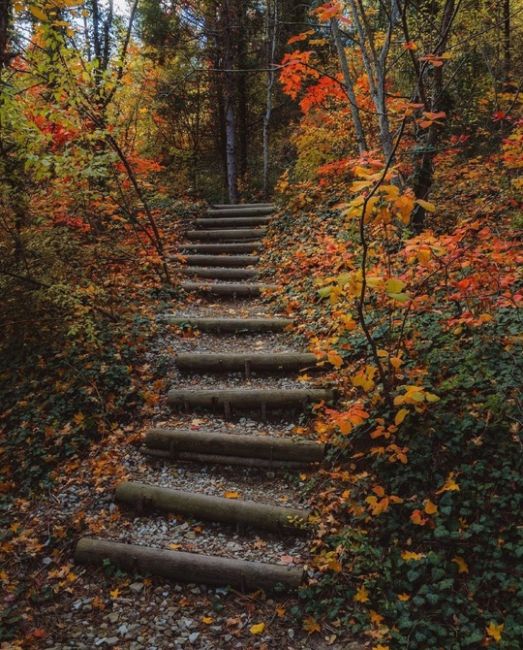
238,389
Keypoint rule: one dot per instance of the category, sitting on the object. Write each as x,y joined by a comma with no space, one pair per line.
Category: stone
136,587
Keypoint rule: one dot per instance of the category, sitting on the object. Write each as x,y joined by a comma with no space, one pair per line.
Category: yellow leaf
495,631
38,13
258,628
429,207
410,555
394,285
400,416
404,597
375,617
380,647
361,595
462,565
175,547
114,593
450,485
208,620
430,508
310,625
280,611
334,358
231,495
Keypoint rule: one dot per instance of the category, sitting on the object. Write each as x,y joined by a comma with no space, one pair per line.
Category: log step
188,567
236,325
242,206
230,361
215,459
174,441
220,274
242,399
231,222
217,249
226,289
221,260
253,211
149,498
220,235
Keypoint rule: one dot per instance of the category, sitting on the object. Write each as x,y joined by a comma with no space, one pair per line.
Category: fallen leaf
208,620
258,628
461,564
495,631
310,625
361,595
231,495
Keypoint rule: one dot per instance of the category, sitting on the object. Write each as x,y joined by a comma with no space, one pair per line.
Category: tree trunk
272,30
229,101
424,169
507,54
355,113
5,23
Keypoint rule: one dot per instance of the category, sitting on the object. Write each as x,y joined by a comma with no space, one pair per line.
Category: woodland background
390,133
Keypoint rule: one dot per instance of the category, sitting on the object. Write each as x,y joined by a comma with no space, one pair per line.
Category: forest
342,182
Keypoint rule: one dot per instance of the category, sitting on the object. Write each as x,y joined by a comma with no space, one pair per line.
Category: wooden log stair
222,249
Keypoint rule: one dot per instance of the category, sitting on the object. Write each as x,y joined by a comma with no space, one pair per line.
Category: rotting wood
188,567
226,444
149,498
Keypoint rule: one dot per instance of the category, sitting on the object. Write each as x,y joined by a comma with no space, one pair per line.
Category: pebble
136,587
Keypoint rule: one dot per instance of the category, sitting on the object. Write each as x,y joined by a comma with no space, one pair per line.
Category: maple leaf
375,618
208,620
495,631
404,597
310,625
114,593
361,595
257,628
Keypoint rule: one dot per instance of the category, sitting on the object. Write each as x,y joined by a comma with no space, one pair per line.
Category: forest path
216,497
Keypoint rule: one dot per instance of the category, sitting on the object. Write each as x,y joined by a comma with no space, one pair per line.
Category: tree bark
272,32
209,442
147,498
188,567
344,64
